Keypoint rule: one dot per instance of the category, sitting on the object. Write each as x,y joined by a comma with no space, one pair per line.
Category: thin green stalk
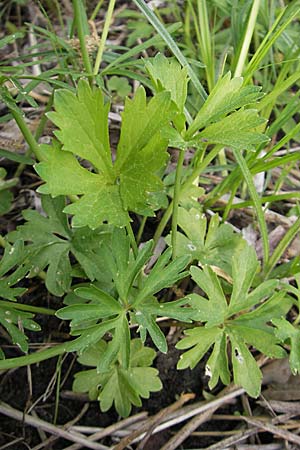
176,201
281,247
29,308
96,10
256,200
230,202
132,239
60,16
38,133
80,30
2,242
205,42
141,229
36,357
196,172
8,184
289,12
163,223
105,31
247,38
33,145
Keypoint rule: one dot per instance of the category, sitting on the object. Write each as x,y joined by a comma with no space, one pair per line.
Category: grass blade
161,30
257,203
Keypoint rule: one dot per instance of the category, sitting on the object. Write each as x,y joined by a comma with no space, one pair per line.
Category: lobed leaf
119,385
131,183
167,74
228,95
212,244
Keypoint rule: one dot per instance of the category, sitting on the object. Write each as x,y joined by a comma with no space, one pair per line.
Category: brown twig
244,434
153,421
284,434
111,429
51,439
193,424
48,427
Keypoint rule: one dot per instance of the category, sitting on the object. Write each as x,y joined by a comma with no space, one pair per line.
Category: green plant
94,197
14,267
242,320
123,386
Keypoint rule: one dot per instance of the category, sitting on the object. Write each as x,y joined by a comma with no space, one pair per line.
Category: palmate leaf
12,319
123,386
52,241
13,267
289,333
167,74
225,132
228,95
132,301
115,189
234,321
212,244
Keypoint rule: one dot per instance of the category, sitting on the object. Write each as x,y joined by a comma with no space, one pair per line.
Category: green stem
132,239
96,10
9,184
247,39
286,240
2,242
105,31
29,138
205,42
36,357
141,229
256,201
81,36
28,308
176,201
38,133
196,172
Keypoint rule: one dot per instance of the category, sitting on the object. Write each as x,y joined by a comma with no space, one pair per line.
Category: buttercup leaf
111,190
248,328
119,385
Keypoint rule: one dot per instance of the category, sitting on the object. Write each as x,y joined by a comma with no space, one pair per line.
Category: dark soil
15,390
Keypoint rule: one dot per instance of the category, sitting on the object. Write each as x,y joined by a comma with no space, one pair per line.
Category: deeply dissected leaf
225,132
13,267
52,241
228,95
119,385
127,185
168,75
201,339
162,275
82,120
133,299
217,364
212,311
246,372
13,320
212,244
287,332
234,321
